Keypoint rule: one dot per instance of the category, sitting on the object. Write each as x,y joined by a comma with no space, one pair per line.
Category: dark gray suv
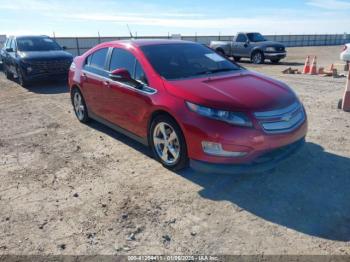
27,58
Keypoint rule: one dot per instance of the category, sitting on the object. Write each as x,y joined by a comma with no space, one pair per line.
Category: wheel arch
157,113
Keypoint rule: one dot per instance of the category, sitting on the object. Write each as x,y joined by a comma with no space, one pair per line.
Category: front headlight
271,49
234,118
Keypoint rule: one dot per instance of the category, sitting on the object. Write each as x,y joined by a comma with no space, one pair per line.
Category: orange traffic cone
313,70
346,97
306,69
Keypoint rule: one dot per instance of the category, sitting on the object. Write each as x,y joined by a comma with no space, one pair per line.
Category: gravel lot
69,188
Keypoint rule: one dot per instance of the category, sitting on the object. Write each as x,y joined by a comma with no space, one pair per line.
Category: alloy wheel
166,143
257,58
79,106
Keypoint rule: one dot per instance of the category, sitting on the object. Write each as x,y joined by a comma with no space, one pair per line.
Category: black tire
220,52
22,81
340,103
182,160
237,59
8,74
257,57
275,61
83,115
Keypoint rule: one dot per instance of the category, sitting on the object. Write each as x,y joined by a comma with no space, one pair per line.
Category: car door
93,81
241,47
128,105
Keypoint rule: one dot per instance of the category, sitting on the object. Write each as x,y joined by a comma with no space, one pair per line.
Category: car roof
147,42
30,36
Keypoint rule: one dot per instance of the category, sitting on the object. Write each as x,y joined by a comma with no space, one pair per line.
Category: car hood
269,43
242,91
46,55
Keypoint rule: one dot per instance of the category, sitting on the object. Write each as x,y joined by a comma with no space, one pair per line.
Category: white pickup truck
250,45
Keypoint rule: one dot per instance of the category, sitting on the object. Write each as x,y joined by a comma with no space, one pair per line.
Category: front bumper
45,76
263,163
277,55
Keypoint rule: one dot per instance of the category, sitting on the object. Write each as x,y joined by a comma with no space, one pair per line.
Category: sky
160,17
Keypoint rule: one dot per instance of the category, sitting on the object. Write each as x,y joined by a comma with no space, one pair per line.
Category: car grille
282,120
51,66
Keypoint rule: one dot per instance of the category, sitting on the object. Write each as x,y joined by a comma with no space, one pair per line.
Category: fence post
219,38
78,48
99,37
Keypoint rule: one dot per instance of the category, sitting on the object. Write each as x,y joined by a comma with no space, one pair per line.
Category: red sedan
189,104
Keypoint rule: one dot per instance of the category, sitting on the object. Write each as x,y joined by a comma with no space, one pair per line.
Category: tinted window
37,44
6,43
98,58
182,60
122,59
256,37
241,38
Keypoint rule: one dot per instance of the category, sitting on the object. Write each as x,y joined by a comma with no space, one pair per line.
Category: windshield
176,61
37,44
256,37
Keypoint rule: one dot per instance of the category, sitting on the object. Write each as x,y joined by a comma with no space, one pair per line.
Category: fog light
29,69
215,149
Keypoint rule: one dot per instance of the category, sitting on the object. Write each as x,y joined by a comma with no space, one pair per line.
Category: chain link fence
78,45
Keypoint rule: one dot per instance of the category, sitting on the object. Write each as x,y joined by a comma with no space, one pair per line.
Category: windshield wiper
216,71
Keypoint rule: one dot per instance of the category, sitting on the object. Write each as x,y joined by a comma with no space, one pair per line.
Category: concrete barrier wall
78,45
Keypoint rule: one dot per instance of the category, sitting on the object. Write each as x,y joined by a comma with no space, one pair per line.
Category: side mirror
64,48
120,74
123,75
9,49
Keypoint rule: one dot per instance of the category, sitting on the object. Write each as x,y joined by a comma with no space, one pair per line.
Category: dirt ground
69,188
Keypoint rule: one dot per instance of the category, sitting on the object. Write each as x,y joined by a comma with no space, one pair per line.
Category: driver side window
124,59
241,38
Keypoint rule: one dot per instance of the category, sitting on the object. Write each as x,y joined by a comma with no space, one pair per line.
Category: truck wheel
236,58
257,57
220,52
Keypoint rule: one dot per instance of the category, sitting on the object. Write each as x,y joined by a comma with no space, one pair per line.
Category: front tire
257,57
79,106
22,81
168,143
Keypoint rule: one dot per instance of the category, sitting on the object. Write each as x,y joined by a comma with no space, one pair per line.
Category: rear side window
122,59
98,59
241,38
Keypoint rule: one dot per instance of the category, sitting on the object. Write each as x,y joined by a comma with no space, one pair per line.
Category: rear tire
22,81
257,57
8,75
168,143
79,106
221,52
237,59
